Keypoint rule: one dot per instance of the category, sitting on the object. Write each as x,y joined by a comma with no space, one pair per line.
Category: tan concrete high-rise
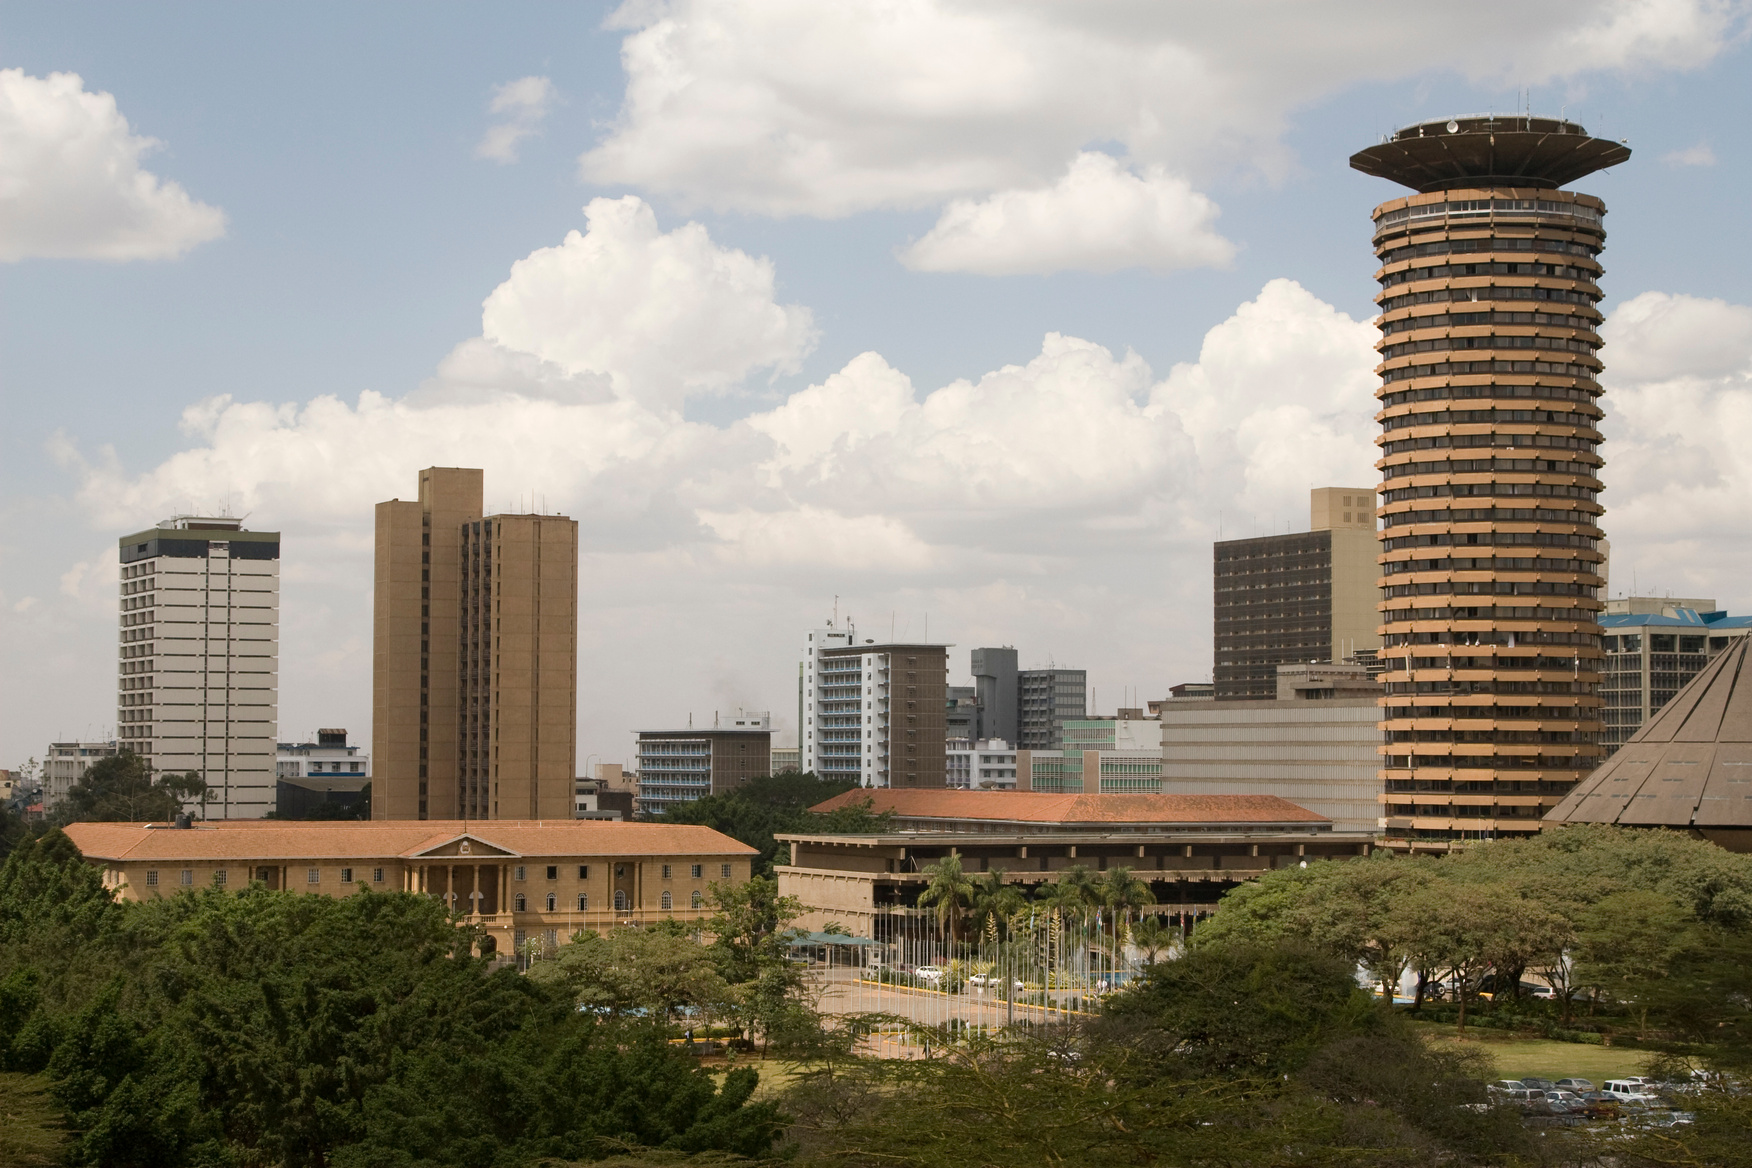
1490,541
474,657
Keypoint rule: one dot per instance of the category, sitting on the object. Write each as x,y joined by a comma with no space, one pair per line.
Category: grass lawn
31,1135
1518,1058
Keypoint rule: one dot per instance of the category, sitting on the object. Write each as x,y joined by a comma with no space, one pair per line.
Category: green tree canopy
754,812
124,789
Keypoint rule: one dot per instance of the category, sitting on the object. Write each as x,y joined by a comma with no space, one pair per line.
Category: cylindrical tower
1490,537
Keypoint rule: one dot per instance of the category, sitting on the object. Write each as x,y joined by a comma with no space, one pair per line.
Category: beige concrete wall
395,662
1331,508
1356,591
1321,755
534,686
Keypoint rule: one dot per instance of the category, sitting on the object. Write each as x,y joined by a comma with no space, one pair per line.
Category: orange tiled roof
275,840
1042,807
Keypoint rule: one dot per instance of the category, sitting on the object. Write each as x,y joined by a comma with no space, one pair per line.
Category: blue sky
1065,507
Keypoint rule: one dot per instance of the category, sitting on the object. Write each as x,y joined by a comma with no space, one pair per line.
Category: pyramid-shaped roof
1689,767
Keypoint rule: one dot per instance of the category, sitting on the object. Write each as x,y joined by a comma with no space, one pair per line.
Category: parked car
1530,1100
1599,1105
1507,1085
929,974
1579,1086
1630,1091
1539,1084
1539,993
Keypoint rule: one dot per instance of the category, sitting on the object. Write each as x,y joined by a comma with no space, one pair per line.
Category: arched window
668,900
583,901
620,900
698,899
520,902
552,900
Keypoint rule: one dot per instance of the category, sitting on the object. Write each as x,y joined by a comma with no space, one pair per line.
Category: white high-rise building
199,657
874,714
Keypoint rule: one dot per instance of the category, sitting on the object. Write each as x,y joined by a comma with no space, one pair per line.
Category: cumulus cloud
1678,427
520,106
785,107
662,315
1098,217
71,184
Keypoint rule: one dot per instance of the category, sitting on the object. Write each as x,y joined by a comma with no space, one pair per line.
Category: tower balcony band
1491,572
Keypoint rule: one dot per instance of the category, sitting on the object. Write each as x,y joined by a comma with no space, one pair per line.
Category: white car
1629,1091
930,974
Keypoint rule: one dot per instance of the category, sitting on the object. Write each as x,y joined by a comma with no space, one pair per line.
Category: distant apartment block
474,657
1315,742
961,713
680,766
874,713
1028,707
787,760
1101,756
310,775
985,764
66,763
1654,646
1295,598
198,657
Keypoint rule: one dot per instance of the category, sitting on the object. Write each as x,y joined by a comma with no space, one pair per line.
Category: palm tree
1075,894
1152,936
950,890
1122,893
994,902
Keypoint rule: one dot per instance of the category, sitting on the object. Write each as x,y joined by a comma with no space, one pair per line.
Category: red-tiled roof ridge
1048,807
270,839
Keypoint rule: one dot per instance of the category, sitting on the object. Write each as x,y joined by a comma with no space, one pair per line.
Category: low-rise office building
66,763
312,775
1316,744
1101,756
1654,646
1190,849
984,764
680,766
518,880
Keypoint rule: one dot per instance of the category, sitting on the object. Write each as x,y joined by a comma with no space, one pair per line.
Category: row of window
186,877
697,871
520,902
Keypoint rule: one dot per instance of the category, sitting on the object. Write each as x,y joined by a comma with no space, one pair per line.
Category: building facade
1653,648
1027,707
874,713
1189,849
1294,598
1050,698
66,763
198,657
996,693
311,775
1490,537
984,764
474,657
518,880
1316,744
679,766
1101,756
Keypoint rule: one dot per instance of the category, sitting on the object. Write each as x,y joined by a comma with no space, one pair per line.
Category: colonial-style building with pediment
519,880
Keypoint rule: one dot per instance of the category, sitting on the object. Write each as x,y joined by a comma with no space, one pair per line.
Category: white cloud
1098,217
1678,427
791,107
1698,155
661,315
71,185
521,106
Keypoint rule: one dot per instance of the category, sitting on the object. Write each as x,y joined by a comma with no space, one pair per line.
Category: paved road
842,993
